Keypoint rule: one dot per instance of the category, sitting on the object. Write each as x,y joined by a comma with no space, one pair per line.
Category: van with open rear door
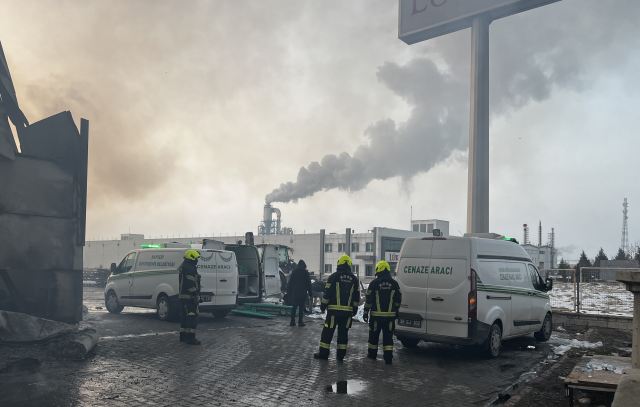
471,290
258,275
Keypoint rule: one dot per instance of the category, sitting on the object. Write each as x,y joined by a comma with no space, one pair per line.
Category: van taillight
473,295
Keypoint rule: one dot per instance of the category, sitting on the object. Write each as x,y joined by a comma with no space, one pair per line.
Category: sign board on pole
421,20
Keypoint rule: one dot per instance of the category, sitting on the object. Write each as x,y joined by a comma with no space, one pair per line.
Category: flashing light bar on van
511,239
151,246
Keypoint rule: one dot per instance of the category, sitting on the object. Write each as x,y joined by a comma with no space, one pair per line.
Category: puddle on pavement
346,387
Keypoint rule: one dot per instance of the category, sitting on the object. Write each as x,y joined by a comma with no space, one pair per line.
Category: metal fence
592,290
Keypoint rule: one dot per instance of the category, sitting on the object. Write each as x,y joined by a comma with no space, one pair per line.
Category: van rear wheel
409,342
112,304
544,333
492,345
163,307
220,314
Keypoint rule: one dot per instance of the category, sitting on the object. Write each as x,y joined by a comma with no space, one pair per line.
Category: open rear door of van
227,276
271,270
449,287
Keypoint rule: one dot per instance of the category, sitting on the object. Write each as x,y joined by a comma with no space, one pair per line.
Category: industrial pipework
268,226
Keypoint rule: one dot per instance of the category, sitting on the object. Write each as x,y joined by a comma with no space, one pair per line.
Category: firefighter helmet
191,255
382,266
344,259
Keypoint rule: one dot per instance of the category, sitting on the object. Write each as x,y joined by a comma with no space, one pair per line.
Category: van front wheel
112,304
492,346
544,333
409,342
164,308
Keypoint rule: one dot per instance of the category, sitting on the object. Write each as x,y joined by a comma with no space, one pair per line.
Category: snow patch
562,345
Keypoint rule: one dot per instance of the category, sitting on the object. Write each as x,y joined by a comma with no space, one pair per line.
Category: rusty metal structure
43,195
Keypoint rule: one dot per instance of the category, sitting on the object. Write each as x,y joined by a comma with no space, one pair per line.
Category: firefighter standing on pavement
189,297
383,301
341,297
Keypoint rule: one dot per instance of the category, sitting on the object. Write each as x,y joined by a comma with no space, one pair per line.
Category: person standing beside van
383,302
341,298
189,297
299,288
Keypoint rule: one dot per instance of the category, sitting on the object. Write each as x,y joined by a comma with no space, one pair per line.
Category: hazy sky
200,109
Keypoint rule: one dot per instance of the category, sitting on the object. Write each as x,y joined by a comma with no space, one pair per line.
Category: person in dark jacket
189,297
299,288
341,298
318,288
383,302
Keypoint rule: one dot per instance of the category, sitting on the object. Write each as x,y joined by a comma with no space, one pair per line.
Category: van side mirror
549,284
114,269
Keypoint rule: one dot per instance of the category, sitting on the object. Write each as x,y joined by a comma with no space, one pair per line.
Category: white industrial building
427,226
544,257
319,250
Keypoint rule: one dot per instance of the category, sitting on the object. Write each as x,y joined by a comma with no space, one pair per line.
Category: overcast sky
198,110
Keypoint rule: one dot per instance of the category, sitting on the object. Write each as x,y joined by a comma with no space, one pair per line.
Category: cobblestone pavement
253,362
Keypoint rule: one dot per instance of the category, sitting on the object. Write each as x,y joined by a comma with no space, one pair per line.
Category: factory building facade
319,250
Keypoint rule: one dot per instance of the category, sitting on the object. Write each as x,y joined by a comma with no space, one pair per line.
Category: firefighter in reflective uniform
383,302
189,297
341,298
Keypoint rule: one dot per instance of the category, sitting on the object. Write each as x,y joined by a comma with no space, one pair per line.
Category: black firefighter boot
372,354
322,354
293,322
182,336
300,323
191,340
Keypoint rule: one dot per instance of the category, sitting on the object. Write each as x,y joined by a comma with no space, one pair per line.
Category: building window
355,247
393,245
327,269
369,247
415,227
328,247
430,228
341,247
368,270
423,228
541,251
356,270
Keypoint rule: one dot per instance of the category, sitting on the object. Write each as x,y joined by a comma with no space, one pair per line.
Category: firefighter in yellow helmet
189,297
341,298
383,302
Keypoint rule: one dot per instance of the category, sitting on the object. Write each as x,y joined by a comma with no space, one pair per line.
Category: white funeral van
148,278
477,289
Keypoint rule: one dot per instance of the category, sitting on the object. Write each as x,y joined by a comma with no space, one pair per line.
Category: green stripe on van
142,274
511,290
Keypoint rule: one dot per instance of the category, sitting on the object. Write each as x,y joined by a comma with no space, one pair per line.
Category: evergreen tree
565,267
583,262
600,256
621,255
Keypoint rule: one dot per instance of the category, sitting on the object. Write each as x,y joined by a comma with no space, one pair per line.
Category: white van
148,278
258,270
470,290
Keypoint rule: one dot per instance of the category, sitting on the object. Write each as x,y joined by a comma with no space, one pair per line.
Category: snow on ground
608,298
561,345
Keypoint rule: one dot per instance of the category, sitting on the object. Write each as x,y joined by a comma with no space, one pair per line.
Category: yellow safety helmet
344,259
191,255
382,266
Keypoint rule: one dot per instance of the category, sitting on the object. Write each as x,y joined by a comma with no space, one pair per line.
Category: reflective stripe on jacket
383,297
189,280
342,292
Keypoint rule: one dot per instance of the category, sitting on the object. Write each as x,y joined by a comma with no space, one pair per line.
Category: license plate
205,298
411,323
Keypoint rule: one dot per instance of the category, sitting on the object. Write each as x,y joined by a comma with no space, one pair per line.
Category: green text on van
425,270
